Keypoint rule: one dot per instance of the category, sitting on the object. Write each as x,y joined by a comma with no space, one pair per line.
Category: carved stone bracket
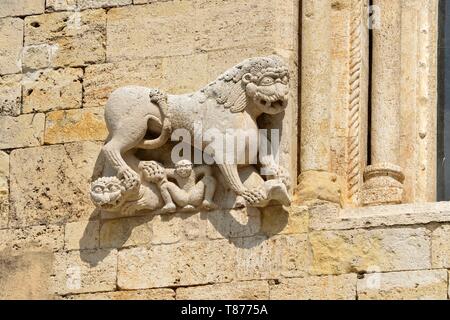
146,125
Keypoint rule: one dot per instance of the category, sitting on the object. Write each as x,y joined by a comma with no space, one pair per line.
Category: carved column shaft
316,86
315,181
384,177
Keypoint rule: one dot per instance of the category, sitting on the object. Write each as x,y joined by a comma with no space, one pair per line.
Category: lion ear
237,100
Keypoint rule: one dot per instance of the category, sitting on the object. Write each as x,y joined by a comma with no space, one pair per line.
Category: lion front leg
113,154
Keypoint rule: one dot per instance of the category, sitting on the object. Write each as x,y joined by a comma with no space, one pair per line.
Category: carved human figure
194,187
234,101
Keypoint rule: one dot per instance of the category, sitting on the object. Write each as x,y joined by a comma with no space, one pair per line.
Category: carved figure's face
183,168
106,193
269,92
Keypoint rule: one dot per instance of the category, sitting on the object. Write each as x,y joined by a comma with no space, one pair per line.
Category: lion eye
98,189
266,81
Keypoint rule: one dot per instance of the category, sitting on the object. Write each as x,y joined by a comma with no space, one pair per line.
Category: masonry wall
59,61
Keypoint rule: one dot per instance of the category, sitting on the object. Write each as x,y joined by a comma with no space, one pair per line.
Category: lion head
263,82
107,193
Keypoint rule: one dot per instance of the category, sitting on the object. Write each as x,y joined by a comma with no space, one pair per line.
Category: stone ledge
329,218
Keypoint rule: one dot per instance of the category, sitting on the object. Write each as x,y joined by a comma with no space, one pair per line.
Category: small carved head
268,86
183,168
107,193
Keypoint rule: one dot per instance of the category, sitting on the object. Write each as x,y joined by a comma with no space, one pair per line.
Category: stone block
10,95
26,276
152,294
75,38
22,131
21,7
440,247
51,184
261,258
64,5
370,217
183,264
234,24
32,239
4,189
342,287
409,285
278,220
155,30
38,56
49,90
102,79
338,252
82,235
11,44
248,290
126,232
234,223
85,271
75,125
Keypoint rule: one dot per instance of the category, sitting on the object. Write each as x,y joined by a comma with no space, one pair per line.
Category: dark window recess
443,136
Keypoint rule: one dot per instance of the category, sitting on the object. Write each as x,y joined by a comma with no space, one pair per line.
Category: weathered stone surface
405,214
22,131
50,90
85,271
50,184
261,258
126,232
75,125
62,5
440,247
102,79
248,290
227,25
11,43
277,220
234,223
342,287
82,235
26,276
409,285
32,239
10,95
152,294
337,252
21,7
38,56
188,263
164,27
75,38
317,185
173,228
4,189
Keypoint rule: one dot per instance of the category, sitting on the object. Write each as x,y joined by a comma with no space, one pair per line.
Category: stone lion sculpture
144,118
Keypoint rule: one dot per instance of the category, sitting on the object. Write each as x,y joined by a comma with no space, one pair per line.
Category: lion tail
159,98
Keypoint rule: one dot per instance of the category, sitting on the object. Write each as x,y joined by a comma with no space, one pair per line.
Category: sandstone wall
59,61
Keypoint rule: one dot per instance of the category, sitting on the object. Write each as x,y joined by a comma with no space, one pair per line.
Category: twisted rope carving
353,144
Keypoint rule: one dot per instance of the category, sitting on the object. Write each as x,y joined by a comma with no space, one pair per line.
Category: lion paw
253,197
130,180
